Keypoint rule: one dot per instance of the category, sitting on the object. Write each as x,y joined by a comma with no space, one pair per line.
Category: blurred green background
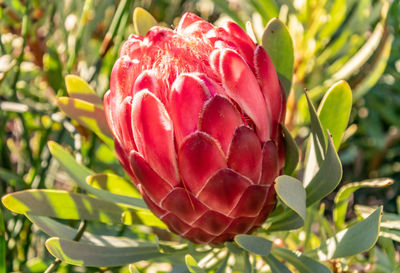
43,41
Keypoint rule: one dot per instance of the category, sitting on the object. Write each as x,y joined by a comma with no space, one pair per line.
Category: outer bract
196,115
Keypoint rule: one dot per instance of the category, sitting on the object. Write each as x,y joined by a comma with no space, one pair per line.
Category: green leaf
55,229
343,196
291,152
143,21
88,115
78,88
292,194
222,267
63,205
301,262
144,217
113,184
351,241
79,174
287,220
53,68
327,177
275,265
316,146
334,110
392,234
2,243
192,265
277,41
254,244
83,254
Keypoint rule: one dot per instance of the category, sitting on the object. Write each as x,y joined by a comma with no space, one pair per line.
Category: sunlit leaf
84,254
301,262
88,115
334,110
222,267
345,192
353,240
78,88
113,184
291,152
291,193
277,41
192,265
254,244
143,21
63,205
79,174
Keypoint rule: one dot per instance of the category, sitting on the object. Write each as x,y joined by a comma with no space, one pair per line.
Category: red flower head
196,116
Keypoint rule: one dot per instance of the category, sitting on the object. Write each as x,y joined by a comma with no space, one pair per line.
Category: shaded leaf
291,152
275,265
353,240
84,254
143,21
301,262
287,220
327,177
291,192
56,229
78,88
254,244
334,110
277,41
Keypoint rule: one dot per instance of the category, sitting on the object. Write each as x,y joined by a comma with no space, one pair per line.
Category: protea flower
196,115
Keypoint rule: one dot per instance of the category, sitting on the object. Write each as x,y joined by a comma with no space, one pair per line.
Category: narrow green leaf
56,229
287,220
301,262
254,244
334,110
277,41
83,254
222,267
316,146
327,177
78,88
113,184
351,241
53,67
275,265
291,152
343,196
292,194
143,21
63,205
2,243
192,265
79,174
88,115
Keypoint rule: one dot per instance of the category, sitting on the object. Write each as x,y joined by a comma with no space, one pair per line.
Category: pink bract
196,114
